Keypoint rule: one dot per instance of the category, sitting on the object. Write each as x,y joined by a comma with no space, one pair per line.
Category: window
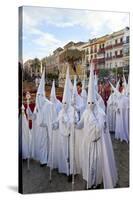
121,52
86,51
110,65
116,41
127,39
95,48
110,54
121,40
115,53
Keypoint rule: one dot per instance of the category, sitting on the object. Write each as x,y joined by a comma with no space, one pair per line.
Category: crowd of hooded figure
73,136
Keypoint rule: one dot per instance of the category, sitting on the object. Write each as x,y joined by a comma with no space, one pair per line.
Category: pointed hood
128,86
96,82
114,89
75,92
83,93
124,85
40,95
91,86
71,85
53,93
117,85
41,87
67,89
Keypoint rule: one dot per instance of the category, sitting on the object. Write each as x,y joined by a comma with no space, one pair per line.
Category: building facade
126,49
95,50
114,50
107,52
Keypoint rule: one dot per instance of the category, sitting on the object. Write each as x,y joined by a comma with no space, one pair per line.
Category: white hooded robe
98,163
25,137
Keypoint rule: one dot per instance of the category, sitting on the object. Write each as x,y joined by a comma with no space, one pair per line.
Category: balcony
95,50
118,44
109,58
118,56
109,47
126,42
126,54
95,60
101,60
102,50
114,57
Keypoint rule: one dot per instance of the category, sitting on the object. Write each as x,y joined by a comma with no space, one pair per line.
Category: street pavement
37,179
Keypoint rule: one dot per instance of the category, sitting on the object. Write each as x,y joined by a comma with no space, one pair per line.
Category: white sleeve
29,113
80,124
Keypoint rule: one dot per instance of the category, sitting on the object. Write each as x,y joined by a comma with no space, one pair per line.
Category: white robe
58,105
35,144
80,106
111,112
42,132
100,101
25,138
122,119
98,163
66,141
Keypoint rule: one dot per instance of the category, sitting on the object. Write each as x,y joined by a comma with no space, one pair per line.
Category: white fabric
96,83
122,118
25,137
100,101
117,85
42,132
84,94
54,100
124,86
67,95
58,105
80,106
41,87
128,87
111,112
77,100
98,162
91,152
91,86
65,142
35,144
42,135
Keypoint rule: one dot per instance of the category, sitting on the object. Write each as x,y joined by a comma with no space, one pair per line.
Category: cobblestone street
37,179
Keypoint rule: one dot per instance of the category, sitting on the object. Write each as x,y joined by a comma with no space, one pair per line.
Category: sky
45,29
